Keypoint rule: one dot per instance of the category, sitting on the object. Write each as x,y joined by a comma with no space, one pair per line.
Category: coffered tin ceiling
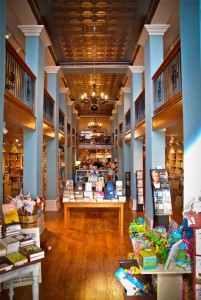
94,42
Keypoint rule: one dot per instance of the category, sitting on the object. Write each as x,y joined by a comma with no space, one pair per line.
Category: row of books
98,199
25,254
11,243
99,196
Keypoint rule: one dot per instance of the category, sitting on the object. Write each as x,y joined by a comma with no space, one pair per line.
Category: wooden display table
104,204
31,267
169,282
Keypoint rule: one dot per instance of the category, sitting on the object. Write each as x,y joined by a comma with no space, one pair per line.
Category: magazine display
161,192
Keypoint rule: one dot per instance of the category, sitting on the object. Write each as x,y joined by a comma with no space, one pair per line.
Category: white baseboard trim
41,223
53,205
133,203
149,222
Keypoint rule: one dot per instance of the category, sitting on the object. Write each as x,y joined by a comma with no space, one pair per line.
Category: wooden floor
83,260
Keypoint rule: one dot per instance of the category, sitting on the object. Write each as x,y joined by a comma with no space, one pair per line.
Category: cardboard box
126,264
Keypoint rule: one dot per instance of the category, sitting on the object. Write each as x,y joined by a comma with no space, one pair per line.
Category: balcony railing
167,80
48,110
102,140
61,120
19,79
140,108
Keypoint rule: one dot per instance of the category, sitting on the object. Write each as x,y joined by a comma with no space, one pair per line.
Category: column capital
125,90
157,29
153,29
36,30
54,70
63,90
137,69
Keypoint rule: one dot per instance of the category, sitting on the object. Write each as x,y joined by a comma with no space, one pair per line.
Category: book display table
169,282
104,204
33,268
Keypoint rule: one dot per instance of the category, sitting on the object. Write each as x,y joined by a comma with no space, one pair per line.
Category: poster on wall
161,192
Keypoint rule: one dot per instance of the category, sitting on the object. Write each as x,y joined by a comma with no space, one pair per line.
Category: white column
53,202
36,41
136,144
155,141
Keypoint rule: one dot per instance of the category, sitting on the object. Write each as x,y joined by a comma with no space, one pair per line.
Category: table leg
65,215
121,218
11,290
35,284
169,286
68,217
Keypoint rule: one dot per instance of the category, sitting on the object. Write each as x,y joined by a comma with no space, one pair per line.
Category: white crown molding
54,70
63,90
153,29
157,29
137,69
36,30
125,90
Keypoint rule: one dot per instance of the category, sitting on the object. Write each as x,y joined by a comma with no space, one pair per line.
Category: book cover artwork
161,192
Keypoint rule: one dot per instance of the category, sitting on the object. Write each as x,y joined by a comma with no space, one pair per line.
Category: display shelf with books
22,277
61,171
140,190
162,203
174,161
15,167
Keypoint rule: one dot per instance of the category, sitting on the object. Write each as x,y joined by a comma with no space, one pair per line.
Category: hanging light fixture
94,126
94,101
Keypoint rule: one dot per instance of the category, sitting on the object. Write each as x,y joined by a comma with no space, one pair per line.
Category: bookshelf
83,175
44,169
15,165
140,189
174,163
61,170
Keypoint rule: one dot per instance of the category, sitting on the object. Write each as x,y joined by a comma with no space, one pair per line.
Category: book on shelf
10,213
2,249
31,251
17,258
24,239
119,185
12,245
37,257
13,227
5,263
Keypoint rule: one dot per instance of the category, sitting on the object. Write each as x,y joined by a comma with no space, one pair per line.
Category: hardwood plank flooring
84,258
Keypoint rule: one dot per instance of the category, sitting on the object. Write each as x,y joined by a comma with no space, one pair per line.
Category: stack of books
11,244
17,258
78,195
2,249
24,239
12,229
32,252
5,264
